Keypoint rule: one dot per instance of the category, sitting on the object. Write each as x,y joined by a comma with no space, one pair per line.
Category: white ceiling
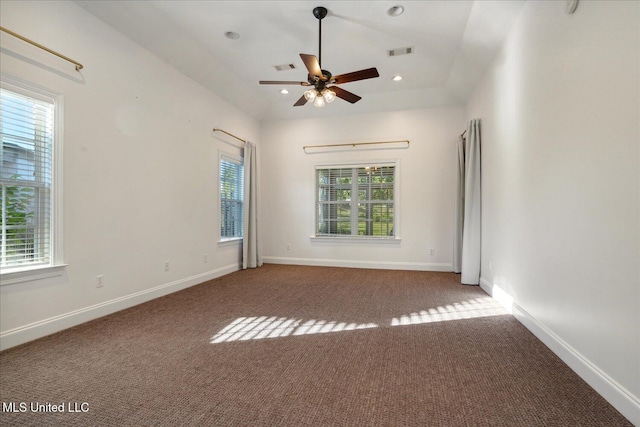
453,43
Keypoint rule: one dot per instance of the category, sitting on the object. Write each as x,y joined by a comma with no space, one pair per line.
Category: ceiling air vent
285,67
400,51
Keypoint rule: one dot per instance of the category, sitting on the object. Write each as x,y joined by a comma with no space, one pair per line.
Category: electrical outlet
99,281
432,251
288,246
205,258
166,266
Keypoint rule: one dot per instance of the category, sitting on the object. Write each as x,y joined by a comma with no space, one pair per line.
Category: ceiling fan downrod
320,12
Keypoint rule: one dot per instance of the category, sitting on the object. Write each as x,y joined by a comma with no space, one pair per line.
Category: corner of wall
618,396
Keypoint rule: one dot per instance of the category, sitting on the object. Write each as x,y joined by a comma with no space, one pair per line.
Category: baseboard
23,334
618,396
388,265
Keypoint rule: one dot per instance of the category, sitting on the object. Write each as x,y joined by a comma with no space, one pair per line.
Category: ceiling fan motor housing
320,83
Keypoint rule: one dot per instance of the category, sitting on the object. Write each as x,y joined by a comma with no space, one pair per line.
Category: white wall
426,175
560,128
140,170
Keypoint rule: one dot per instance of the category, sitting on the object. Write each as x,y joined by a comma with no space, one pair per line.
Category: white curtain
459,210
251,254
467,234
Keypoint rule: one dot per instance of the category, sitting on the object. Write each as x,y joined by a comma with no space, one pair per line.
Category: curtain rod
230,134
354,144
78,65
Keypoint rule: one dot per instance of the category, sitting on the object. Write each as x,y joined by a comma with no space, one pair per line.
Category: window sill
230,242
15,276
357,239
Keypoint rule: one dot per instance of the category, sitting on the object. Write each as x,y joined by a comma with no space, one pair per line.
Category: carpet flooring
301,346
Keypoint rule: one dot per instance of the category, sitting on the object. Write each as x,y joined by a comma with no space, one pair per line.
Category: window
355,201
27,120
231,196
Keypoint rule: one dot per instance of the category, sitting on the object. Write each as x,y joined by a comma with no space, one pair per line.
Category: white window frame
55,267
238,160
352,238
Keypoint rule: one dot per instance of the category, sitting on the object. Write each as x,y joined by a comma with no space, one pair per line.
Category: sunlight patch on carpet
262,327
255,328
478,307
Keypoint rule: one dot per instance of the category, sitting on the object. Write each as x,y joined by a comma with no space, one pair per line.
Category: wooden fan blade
277,82
368,73
312,64
301,101
345,94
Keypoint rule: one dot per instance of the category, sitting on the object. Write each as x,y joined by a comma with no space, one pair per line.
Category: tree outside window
26,128
355,201
231,198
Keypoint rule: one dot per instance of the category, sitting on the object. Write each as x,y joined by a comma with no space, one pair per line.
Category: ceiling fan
320,79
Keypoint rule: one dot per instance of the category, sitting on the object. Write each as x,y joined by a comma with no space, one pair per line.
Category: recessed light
284,91
232,35
395,10
397,78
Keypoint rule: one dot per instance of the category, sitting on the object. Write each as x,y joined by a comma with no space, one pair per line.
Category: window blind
26,128
231,198
355,201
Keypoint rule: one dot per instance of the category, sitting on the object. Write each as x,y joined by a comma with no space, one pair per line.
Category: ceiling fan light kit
329,95
319,99
321,94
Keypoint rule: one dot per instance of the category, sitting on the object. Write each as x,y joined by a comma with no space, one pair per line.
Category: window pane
231,198
343,194
343,211
26,128
372,212
382,194
343,228
382,219
18,224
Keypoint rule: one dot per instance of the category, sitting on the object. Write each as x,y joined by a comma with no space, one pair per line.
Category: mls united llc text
47,407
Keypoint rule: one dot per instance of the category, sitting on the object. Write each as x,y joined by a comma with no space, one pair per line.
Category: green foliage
231,195
366,192
17,218
18,205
